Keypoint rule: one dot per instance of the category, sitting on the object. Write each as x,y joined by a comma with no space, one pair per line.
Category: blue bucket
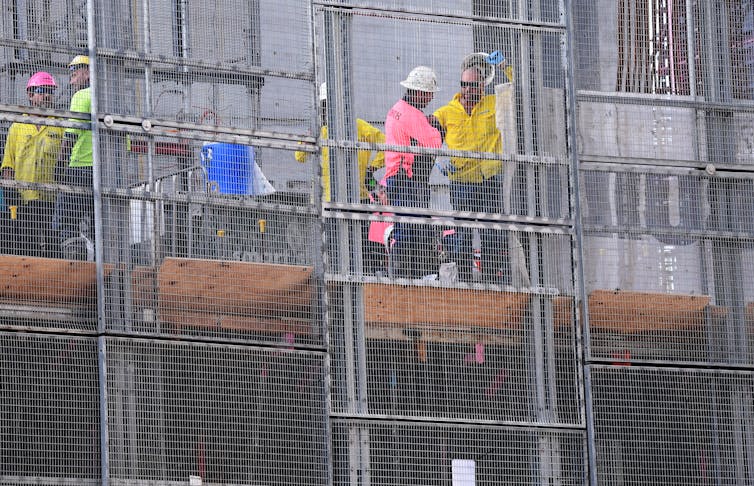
230,166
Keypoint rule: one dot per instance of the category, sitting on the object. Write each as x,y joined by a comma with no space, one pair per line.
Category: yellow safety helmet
78,61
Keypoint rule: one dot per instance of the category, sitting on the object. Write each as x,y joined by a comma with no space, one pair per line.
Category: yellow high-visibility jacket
31,151
365,133
476,132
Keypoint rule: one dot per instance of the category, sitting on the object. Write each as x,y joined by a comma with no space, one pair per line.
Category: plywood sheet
233,289
48,280
442,308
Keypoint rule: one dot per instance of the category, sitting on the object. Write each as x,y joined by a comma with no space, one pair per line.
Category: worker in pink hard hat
29,156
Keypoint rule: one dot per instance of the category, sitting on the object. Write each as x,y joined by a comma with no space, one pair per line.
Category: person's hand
8,173
381,195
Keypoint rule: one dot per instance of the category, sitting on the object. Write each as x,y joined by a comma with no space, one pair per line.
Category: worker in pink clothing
407,125
406,174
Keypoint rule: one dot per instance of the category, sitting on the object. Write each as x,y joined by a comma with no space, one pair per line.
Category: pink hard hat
41,78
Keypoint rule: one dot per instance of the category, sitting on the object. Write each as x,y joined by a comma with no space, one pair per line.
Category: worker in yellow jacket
475,184
368,160
30,154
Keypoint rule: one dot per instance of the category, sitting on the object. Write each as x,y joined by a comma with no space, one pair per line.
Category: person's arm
64,155
302,157
8,171
371,134
426,134
9,154
435,122
439,120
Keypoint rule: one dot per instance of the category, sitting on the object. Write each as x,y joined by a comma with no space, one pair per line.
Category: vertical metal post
581,310
591,445
103,409
185,48
691,47
344,187
722,148
96,168
147,114
323,295
332,43
747,434
254,41
98,250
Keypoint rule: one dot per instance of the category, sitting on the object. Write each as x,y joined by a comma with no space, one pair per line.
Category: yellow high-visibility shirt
476,132
31,151
364,133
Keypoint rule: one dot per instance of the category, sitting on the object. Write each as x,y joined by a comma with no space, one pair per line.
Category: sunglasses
76,67
470,84
43,90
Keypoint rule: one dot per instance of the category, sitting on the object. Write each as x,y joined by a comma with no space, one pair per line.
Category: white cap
479,60
323,92
421,78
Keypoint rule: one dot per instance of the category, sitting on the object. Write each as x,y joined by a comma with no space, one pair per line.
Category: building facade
218,321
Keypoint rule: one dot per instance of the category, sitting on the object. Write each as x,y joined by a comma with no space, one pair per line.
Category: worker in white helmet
475,184
407,174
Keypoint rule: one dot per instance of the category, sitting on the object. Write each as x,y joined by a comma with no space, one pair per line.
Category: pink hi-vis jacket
405,123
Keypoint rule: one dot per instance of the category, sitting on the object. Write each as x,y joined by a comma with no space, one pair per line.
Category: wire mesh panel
228,414
440,306
49,410
39,289
672,426
642,52
667,275
404,453
410,347
222,65
207,199
638,128
641,47
58,23
543,10
201,230
211,299
515,106
449,250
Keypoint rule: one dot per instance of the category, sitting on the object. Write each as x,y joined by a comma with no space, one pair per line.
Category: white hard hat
479,60
323,92
421,78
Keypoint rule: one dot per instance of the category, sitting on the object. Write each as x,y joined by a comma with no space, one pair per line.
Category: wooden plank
630,312
221,322
562,312
48,280
425,333
441,308
144,286
234,289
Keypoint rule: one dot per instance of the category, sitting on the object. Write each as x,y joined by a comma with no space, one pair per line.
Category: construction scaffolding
240,286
